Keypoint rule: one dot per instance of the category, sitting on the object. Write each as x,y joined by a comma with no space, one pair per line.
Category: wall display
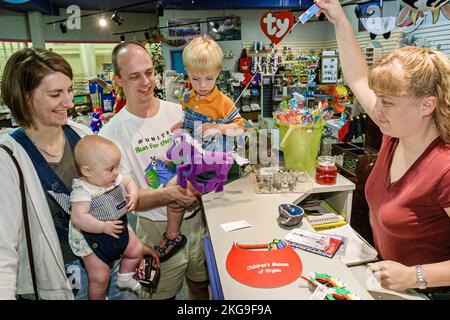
329,69
415,6
277,25
227,29
366,10
371,18
184,28
407,24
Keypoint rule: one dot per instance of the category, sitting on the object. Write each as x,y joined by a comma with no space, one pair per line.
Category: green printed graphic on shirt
153,143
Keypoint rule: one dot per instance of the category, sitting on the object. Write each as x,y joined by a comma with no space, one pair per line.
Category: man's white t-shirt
143,143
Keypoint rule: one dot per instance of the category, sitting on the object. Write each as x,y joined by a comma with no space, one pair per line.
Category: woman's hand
332,10
393,275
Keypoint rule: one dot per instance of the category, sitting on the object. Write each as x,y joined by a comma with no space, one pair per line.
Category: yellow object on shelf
331,225
300,145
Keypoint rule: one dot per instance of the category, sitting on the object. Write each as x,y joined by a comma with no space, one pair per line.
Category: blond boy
208,112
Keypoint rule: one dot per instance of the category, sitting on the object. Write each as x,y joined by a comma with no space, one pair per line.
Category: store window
7,48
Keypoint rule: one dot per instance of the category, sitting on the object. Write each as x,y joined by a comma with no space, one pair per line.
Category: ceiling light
117,18
63,27
102,22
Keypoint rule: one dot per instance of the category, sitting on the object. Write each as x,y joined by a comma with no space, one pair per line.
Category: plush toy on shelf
96,122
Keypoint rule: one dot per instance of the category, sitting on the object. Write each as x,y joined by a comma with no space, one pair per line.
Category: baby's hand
113,228
132,201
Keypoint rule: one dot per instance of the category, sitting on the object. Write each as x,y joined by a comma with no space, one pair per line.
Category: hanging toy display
372,20
416,6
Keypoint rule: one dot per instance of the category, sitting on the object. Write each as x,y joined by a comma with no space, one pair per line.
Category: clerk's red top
408,219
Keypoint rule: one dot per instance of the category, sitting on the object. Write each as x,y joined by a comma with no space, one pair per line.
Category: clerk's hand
332,10
393,275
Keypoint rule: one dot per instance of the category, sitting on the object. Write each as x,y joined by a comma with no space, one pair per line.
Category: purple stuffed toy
206,170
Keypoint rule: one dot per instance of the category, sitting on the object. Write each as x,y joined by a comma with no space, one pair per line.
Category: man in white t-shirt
143,132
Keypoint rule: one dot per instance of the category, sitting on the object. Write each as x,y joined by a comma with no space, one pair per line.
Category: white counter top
239,201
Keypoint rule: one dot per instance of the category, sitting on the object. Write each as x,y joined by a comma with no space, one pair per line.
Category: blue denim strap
49,179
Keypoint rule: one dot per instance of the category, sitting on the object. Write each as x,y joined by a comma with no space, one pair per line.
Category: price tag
320,293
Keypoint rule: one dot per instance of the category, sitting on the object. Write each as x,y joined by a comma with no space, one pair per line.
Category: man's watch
421,283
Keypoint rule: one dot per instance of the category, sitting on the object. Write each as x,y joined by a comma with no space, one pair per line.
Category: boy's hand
209,129
132,200
177,126
113,228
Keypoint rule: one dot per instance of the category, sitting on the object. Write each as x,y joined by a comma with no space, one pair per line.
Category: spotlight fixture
63,27
358,12
159,8
102,22
147,35
215,26
117,18
122,38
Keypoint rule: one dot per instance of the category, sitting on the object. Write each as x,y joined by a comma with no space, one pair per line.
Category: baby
98,231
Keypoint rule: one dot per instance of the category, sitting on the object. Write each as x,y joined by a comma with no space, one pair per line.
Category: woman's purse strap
25,219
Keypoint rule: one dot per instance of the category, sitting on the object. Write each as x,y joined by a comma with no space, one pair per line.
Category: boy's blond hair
416,72
202,55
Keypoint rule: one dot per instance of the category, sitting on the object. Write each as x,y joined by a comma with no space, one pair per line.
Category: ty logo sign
276,25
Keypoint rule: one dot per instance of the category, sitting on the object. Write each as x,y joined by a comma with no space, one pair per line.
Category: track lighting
159,8
117,18
102,22
63,27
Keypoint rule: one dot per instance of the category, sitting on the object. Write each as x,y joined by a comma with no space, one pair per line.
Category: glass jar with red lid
326,170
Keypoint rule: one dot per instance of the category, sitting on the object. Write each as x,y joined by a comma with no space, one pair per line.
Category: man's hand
113,228
132,199
182,197
151,252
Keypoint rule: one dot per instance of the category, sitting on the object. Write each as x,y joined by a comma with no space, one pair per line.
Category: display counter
239,201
